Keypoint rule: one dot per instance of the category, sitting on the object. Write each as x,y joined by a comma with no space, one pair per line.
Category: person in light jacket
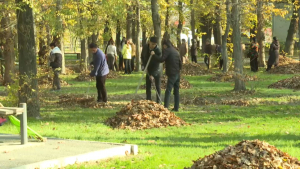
126,52
56,64
111,54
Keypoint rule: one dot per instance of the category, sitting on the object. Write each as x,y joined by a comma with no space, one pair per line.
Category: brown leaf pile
184,84
290,83
85,76
236,102
229,77
248,155
83,101
286,66
144,114
194,69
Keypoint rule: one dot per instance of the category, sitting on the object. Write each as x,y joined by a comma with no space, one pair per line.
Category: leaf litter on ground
286,66
184,84
144,114
248,155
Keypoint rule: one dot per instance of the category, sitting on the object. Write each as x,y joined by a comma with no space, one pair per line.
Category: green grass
213,127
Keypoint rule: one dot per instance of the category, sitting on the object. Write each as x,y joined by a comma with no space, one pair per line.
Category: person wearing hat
153,70
274,54
172,59
253,54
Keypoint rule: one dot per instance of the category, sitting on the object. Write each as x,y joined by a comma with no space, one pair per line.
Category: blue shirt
100,64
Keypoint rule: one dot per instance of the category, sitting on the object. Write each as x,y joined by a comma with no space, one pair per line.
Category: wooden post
23,125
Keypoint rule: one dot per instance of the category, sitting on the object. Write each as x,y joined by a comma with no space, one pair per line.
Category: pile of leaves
290,83
203,101
184,84
144,114
286,66
81,100
47,81
229,77
85,76
194,69
248,154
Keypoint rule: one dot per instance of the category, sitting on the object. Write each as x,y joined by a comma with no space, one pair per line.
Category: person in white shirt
111,55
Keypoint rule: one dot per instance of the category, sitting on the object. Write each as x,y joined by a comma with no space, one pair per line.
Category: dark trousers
221,61
207,61
100,84
56,80
132,63
127,66
157,85
254,64
173,82
194,58
110,61
121,62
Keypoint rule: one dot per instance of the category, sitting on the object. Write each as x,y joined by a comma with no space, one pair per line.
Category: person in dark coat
207,53
274,54
153,70
219,55
253,54
100,71
194,51
56,64
183,49
171,57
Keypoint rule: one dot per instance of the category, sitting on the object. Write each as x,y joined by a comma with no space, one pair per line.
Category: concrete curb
92,156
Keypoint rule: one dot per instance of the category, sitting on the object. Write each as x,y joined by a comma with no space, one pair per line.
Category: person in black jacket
171,57
274,54
153,71
56,64
194,50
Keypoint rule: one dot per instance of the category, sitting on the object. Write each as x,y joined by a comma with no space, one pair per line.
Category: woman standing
111,54
253,54
126,52
274,54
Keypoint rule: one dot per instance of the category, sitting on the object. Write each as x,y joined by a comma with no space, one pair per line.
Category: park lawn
213,127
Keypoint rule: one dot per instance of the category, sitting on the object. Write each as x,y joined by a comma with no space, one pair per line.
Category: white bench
22,110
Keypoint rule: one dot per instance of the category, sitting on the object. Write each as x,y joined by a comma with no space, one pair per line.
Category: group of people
152,56
273,54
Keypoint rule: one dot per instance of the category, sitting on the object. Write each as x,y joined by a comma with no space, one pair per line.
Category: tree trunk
28,81
156,21
206,29
225,36
290,42
8,53
218,26
193,22
237,49
144,36
138,30
261,34
89,41
180,23
58,38
48,34
253,30
157,25
42,46
133,28
84,54
118,37
129,24
167,26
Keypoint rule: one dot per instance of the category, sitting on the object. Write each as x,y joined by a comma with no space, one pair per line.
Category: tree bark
193,22
129,23
118,37
138,30
225,36
253,30
237,49
180,23
218,26
27,59
260,34
156,21
42,46
205,28
290,39
9,52
48,34
167,26
84,54
144,36
133,26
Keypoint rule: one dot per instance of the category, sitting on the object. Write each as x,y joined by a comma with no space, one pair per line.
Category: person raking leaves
171,57
100,71
153,70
